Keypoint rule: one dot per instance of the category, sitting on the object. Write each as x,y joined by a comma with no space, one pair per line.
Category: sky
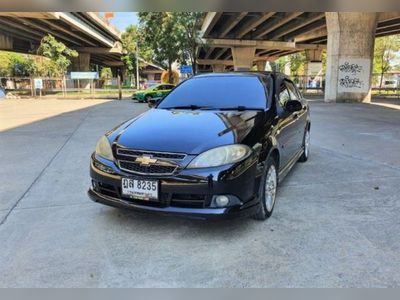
121,20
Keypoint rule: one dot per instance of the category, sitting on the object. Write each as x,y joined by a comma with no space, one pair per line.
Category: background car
155,91
2,93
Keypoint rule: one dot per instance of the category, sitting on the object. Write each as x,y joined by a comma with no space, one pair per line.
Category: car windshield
217,92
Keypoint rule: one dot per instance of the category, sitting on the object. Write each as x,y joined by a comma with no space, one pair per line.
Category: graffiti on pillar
353,75
348,82
353,69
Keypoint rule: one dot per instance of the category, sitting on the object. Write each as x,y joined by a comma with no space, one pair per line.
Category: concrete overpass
239,40
96,41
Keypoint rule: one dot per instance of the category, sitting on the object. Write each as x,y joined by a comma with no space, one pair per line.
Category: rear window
218,92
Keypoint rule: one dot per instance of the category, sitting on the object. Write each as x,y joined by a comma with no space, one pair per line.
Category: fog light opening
221,201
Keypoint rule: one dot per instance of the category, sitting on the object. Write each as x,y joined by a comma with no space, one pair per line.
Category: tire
147,98
267,204
306,146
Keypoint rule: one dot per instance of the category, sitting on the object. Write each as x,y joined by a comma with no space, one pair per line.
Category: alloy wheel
270,188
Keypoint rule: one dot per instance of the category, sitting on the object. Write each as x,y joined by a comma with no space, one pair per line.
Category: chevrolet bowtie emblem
145,160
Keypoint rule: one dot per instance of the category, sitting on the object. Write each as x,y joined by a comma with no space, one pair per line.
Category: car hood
190,132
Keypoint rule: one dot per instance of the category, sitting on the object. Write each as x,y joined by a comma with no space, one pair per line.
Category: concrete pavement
336,223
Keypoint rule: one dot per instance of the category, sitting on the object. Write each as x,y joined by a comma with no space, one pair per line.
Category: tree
57,52
189,24
162,33
297,61
134,48
385,52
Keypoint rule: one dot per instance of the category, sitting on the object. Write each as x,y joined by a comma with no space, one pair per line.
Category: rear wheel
306,146
267,194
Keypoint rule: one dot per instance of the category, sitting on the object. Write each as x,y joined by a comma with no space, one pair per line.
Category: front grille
138,153
165,163
188,200
151,169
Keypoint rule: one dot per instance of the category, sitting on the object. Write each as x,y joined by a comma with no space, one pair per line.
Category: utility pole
137,66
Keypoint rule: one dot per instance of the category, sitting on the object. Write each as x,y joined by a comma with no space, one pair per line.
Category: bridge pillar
243,58
312,67
261,64
218,68
351,37
6,42
81,63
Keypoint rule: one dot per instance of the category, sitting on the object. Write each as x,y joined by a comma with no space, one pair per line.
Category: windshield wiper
240,108
192,107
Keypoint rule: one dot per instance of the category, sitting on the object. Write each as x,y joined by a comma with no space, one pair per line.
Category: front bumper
187,194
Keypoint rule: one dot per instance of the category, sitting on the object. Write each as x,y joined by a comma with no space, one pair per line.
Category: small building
150,73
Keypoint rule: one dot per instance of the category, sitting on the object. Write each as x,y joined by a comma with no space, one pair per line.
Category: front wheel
306,146
268,188
148,98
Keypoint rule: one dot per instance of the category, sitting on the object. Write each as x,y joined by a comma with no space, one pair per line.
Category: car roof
242,74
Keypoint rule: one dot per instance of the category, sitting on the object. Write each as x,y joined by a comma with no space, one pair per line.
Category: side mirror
153,102
293,105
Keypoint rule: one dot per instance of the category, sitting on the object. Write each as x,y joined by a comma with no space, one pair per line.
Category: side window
283,95
292,91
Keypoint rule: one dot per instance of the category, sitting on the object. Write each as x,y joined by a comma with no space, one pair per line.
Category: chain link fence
382,85
24,87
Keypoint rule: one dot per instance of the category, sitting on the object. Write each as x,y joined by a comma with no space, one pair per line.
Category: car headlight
220,156
103,148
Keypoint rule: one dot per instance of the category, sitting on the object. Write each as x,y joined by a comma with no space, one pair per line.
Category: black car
215,147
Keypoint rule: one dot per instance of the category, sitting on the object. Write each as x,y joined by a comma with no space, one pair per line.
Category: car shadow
157,223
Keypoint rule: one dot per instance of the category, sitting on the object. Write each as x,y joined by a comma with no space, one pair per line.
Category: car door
285,127
300,117
166,89
158,91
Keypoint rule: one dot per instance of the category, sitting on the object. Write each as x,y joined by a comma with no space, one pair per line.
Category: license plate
140,189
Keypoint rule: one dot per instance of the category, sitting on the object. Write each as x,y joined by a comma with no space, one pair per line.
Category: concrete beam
314,55
66,31
261,64
82,26
267,28
117,49
6,42
225,43
243,58
299,24
251,24
231,23
209,22
316,33
218,68
113,63
33,15
215,62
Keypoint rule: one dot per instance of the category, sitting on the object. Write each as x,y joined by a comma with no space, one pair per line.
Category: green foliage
385,53
188,31
173,36
161,33
23,65
297,61
105,73
57,52
133,45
